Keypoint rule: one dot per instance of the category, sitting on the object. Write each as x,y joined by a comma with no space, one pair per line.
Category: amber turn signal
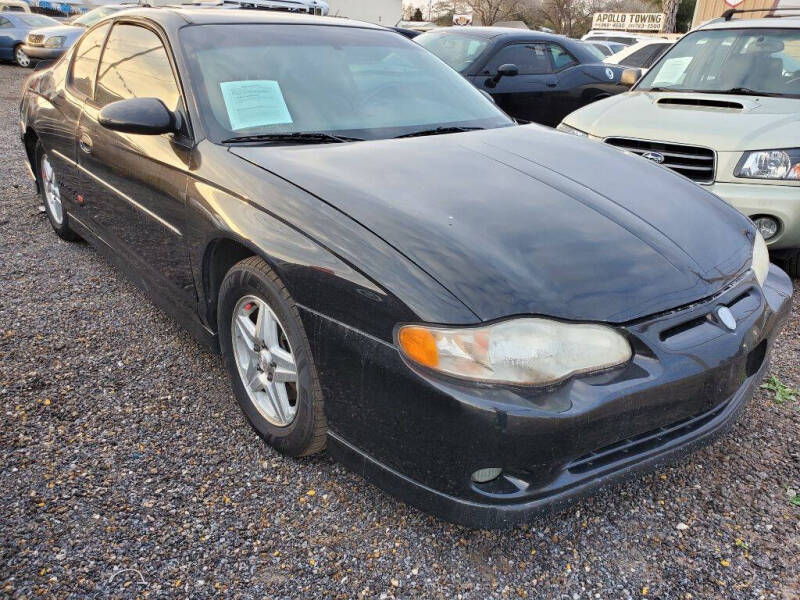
419,345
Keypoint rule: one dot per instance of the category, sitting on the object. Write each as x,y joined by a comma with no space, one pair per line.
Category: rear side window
135,65
531,59
5,23
561,58
84,61
645,56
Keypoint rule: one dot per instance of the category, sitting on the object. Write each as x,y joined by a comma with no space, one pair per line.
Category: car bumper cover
421,437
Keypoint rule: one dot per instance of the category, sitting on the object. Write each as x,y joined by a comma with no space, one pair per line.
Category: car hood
54,30
751,123
527,220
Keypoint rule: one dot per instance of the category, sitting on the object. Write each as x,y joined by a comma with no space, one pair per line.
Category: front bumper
779,201
42,53
421,437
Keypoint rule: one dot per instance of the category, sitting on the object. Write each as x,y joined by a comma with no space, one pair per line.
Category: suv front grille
695,162
36,39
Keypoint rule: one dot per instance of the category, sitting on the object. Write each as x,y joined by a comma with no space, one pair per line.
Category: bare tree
489,12
670,10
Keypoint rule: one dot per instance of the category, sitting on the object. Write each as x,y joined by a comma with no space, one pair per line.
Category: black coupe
533,76
484,319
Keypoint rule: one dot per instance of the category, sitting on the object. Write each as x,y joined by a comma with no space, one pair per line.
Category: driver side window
531,59
135,65
84,61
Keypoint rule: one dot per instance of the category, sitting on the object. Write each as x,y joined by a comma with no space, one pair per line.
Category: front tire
22,59
267,355
50,193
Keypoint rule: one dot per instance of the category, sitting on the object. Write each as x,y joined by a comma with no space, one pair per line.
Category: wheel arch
30,139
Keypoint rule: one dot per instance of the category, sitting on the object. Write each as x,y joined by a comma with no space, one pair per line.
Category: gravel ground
128,471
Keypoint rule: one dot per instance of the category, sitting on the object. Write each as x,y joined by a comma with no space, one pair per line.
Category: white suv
721,107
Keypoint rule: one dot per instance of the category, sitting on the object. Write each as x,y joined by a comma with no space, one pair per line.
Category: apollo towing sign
628,21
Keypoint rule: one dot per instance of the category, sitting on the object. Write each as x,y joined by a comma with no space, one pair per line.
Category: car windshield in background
32,20
271,80
459,50
93,16
760,62
596,51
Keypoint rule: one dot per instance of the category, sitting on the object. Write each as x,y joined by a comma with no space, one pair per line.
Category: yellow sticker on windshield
254,103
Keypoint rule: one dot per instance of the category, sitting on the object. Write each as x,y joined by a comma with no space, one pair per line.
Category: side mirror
507,70
145,116
630,76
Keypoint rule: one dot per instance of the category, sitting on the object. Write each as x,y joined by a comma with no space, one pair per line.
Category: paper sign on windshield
254,103
671,72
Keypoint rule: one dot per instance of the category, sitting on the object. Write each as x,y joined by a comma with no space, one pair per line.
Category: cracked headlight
523,351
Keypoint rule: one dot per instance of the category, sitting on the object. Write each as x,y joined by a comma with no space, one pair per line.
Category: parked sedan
483,318
533,76
52,40
14,27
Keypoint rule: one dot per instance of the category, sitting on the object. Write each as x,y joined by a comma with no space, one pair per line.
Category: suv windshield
253,80
459,50
759,62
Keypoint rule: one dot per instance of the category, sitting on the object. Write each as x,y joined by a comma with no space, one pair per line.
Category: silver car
47,43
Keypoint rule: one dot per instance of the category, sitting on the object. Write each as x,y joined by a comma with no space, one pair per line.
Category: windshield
32,20
459,50
744,61
259,79
93,16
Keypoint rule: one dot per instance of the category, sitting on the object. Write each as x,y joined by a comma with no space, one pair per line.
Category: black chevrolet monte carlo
533,76
484,319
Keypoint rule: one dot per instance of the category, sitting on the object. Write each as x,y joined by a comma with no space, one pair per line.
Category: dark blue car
14,28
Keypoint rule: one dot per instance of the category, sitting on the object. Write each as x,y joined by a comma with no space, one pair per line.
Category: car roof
792,22
167,16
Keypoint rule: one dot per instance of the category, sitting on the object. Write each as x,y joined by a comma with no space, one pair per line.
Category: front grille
36,39
695,162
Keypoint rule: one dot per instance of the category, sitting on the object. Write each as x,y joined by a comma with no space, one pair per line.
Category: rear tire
50,193
268,358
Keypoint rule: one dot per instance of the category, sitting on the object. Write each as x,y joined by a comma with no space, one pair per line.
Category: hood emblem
656,157
726,317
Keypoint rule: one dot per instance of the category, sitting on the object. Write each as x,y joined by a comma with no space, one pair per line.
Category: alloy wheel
23,60
52,194
265,360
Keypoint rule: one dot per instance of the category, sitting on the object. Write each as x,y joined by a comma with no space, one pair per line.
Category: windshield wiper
742,91
437,131
303,137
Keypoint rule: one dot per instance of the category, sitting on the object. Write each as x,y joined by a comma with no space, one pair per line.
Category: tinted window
561,58
35,20
135,65
459,50
84,63
532,59
5,23
645,56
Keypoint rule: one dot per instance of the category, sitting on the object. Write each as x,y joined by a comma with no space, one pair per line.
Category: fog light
486,475
767,226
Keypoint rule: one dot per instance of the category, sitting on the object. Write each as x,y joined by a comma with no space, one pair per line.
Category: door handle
551,82
85,143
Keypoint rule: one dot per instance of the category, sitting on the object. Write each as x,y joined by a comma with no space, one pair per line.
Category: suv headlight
523,351
567,129
54,42
760,264
770,164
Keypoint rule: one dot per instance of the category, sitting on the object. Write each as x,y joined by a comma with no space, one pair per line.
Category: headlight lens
770,164
54,42
524,351
760,259
567,129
